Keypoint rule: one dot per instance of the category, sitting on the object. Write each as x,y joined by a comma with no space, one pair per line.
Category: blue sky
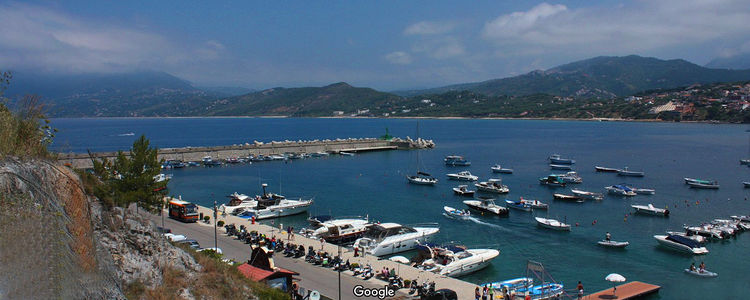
387,45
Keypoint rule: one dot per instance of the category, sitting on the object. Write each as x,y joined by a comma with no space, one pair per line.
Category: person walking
476,293
484,293
491,293
580,290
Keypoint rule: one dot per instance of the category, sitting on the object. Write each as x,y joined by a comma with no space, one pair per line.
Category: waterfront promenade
312,277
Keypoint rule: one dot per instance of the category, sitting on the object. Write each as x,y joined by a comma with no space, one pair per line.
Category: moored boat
456,160
500,169
511,284
462,176
698,238
452,260
746,184
570,177
699,185
463,190
650,210
587,195
493,185
389,238
343,230
535,204
552,224
456,213
620,189
486,204
542,292
680,243
745,161
422,178
557,159
517,205
560,167
551,180
605,169
565,197
613,244
626,172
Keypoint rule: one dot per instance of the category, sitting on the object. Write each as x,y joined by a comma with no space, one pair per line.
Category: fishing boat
698,238
517,205
701,273
626,172
463,190
613,244
570,177
699,185
552,224
493,185
551,180
587,195
462,176
511,284
620,189
650,210
486,204
500,169
560,167
456,160
456,213
557,159
565,197
342,231
453,260
680,243
389,238
606,170
535,204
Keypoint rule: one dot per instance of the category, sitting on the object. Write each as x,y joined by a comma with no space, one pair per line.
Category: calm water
374,184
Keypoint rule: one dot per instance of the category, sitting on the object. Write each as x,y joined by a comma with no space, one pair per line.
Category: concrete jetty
82,160
465,290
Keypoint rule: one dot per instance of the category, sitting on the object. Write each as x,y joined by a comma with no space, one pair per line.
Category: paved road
311,277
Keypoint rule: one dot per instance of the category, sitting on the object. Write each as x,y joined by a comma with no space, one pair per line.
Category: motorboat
551,180
493,185
210,162
641,191
560,167
343,230
745,161
237,203
162,177
453,260
680,243
463,190
456,160
605,169
544,291
699,185
535,204
320,154
613,244
565,197
741,218
698,238
552,224
511,284
620,189
570,177
346,153
650,210
557,159
389,238
706,230
462,176
275,208
701,273
746,184
422,178
626,172
587,195
688,180
456,213
517,205
486,204
277,157
500,169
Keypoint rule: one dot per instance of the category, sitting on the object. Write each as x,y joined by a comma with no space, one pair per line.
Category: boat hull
421,180
705,273
613,244
662,239
268,213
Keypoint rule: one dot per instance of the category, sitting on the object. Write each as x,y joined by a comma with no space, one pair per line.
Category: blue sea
374,184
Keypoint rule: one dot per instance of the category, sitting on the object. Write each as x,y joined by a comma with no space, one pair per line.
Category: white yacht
651,210
274,208
493,185
389,238
587,194
453,261
162,177
344,230
237,203
463,175
681,243
552,224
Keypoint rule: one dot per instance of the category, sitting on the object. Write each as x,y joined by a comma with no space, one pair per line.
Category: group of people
701,267
486,293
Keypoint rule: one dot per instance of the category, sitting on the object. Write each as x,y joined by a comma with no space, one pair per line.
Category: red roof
258,274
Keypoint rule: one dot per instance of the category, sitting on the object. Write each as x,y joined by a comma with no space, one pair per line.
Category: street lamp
216,246
339,270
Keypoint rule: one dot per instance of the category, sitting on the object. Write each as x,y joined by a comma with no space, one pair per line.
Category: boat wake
126,134
480,222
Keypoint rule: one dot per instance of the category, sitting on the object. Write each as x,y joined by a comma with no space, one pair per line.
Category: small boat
680,243
162,177
210,162
500,169
587,195
422,178
517,205
701,273
456,160
651,210
745,161
535,204
542,292
493,185
613,244
556,159
560,167
463,190
511,284
620,189
552,224
389,238
570,177
605,169
746,184
741,218
456,213
551,180
462,176
705,230
565,197
641,191
346,153
486,204
626,172
453,260
698,185
319,154
689,180
697,238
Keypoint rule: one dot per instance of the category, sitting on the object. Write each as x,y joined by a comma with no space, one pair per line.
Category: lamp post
216,246
339,271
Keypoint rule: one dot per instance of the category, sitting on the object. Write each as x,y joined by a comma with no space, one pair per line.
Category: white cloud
428,28
399,58
440,47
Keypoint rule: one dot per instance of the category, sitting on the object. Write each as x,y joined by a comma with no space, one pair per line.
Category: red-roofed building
261,269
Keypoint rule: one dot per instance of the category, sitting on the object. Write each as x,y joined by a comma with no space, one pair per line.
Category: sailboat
421,178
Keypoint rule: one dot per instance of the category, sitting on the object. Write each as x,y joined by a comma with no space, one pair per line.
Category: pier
83,161
630,290
312,277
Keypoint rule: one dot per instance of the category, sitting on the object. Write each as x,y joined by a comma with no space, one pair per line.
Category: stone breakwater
82,160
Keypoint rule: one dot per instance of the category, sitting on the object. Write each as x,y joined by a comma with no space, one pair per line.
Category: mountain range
161,94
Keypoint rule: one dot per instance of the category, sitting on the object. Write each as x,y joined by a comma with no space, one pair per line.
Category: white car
174,237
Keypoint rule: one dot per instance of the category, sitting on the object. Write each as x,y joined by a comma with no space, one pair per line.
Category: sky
386,45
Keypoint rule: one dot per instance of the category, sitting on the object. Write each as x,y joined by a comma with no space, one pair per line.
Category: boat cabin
384,230
183,210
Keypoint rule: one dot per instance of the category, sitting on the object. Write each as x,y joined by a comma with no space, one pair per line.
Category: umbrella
614,277
399,259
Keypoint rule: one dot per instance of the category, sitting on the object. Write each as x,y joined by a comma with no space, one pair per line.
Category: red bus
183,211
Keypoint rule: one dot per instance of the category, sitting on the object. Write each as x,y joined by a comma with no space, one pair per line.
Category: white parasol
614,277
